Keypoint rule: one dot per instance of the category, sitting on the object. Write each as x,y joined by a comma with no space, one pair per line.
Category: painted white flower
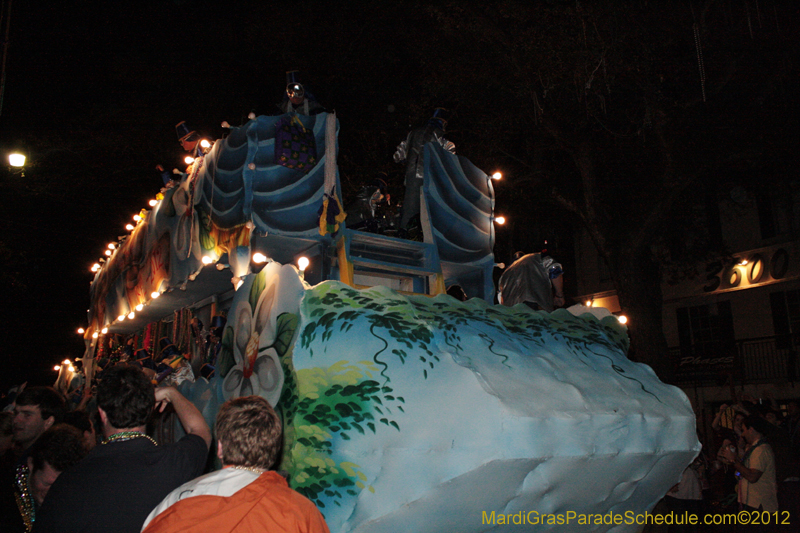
258,368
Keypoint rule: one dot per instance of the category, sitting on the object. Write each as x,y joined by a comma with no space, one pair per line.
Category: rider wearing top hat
298,99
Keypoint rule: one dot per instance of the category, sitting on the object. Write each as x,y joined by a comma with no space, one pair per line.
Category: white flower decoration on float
257,366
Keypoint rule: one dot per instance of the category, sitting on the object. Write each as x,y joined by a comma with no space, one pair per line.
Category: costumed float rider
174,367
411,151
533,279
189,140
213,346
298,99
362,214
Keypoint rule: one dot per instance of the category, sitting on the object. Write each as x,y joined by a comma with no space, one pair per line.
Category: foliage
323,405
330,403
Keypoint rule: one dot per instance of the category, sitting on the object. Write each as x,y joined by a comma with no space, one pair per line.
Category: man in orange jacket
244,495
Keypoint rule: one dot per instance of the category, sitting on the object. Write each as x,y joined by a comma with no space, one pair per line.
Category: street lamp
16,162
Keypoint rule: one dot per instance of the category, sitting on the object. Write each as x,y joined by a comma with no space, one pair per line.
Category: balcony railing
760,360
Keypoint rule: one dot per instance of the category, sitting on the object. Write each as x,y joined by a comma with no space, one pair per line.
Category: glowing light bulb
622,319
71,368
155,294
588,303
140,307
207,260
153,203
497,176
95,267
104,331
205,144
500,220
129,227
95,335
131,315
65,362
108,253
57,368
16,160
189,159
111,246
137,217
81,331
259,258
120,318
302,263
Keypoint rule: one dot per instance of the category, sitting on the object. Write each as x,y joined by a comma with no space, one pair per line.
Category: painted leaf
257,288
285,328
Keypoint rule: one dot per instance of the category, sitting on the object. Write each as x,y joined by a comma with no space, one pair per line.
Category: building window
773,216
706,330
785,316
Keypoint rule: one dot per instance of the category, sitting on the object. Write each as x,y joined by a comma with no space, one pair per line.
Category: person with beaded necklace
56,450
245,495
120,481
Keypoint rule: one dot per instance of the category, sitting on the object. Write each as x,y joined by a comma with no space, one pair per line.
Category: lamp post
16,162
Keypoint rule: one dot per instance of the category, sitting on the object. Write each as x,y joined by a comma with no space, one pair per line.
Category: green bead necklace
128,435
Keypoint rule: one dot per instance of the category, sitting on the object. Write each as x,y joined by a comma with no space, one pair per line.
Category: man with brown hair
244,495
121,480
35,411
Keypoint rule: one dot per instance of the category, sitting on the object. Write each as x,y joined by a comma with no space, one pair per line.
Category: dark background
93,91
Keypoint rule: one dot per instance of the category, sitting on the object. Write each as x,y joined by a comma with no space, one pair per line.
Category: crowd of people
750,462
98,469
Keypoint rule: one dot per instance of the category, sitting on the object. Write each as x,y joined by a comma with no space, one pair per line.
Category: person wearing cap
297,98
173,368
411,151
533,279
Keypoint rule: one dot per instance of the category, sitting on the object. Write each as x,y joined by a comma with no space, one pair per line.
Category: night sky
93,91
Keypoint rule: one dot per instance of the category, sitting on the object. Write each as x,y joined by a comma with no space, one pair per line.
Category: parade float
403,408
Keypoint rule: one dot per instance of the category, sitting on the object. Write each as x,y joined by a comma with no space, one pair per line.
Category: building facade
733,328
